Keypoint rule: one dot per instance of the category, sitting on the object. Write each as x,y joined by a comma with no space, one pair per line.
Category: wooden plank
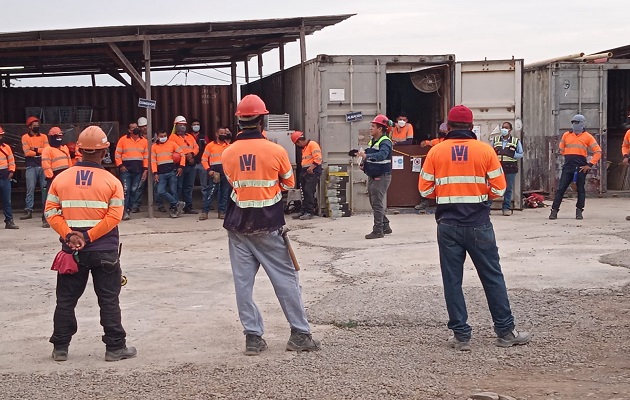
124,63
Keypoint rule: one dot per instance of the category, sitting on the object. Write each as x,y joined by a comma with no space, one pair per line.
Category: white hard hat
180,120
142,121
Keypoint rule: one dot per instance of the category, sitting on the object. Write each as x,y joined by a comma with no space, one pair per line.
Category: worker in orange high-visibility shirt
7,169
442,131
132,159
217,181
575,146
403,131
33,143
258,171
190,148
310,175
463,174
85,205
55,159
166,169
625,151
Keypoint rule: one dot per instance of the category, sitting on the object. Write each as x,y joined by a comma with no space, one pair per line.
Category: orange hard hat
92,138
251,105
55,130
381,120
295,136
177,157
30,120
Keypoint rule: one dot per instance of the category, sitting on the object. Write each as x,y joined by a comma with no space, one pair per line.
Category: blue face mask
505,131
578,127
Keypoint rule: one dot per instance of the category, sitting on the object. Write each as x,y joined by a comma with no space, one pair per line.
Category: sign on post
146,103
354,116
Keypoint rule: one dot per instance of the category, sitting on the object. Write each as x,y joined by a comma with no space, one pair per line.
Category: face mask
162,139
401,123
55,141
578,127
505,131
228,136
180,128
35,129
136,131
222,137
196,128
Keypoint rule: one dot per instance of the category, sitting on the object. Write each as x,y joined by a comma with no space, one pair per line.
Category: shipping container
553,93
342,94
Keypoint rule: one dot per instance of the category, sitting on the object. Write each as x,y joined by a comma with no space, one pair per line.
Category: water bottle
575,176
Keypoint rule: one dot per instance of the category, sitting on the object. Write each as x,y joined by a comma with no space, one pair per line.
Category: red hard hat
177,157
251,105
55,130
461,114
296,135
30,120
381,120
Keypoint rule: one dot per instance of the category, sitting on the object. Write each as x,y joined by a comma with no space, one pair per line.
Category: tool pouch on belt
65,263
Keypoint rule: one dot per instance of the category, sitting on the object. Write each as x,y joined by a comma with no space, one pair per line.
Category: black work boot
299,341
10,225
387,229
374,235
254,344
554,214
45,223
120,354
60,353
578,213
28,214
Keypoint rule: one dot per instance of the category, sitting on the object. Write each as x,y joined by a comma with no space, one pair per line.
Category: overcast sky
471,29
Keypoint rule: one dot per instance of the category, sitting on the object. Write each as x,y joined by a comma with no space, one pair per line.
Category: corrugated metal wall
213,105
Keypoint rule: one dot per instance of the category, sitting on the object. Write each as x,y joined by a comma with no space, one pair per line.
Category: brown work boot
457,344
221,215
375,235
203,216
10,225
299,341
28,214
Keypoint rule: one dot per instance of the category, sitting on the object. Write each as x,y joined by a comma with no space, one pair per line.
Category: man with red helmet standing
377,165
311,172
258,171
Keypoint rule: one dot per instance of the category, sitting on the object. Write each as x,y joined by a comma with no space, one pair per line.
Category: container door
493,91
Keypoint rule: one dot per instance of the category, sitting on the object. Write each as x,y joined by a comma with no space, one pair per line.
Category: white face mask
401,123
505,131
163,139
196,128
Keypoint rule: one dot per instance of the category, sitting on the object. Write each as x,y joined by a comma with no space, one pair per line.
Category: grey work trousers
247,254
377,190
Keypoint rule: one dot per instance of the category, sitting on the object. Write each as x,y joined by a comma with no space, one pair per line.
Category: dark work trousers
308,183
565,180
377,190
106,277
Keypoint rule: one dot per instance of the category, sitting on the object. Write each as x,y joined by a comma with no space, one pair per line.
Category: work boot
120,354
387,229
254,344
628,218
374,235
306,216
299,341
507,213
172,212
189,210
135,210
554,214
60,353
10,225
203,216
180,207
299,216
457,344
513,338
45,224
578,213
126,216
28,214
221,215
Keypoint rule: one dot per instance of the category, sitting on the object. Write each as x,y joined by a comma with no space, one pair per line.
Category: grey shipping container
553,93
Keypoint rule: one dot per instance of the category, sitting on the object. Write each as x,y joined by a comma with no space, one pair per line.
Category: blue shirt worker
509,149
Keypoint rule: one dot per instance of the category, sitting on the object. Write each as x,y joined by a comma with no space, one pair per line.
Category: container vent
277,122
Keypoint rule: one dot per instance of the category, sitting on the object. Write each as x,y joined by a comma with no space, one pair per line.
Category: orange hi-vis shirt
401,134
29,144
461,171
212,154
435,141
162,161
625,146
55,160
258,170
580,145
87,198
311,154
188,143
7,161
132,153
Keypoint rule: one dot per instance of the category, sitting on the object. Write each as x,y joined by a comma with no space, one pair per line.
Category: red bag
64,263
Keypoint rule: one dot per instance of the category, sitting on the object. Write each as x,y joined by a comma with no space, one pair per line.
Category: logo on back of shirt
459,153
248,162
84,177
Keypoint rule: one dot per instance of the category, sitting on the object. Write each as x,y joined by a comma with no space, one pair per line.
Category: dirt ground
376,305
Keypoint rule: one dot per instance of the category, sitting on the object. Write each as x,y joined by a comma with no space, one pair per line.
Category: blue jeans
565,180
203,180
480,244
185,183
34,175
507,197
5,197
132,182
166,188
222,190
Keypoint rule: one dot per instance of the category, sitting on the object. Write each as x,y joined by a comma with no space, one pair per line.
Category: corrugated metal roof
87,50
